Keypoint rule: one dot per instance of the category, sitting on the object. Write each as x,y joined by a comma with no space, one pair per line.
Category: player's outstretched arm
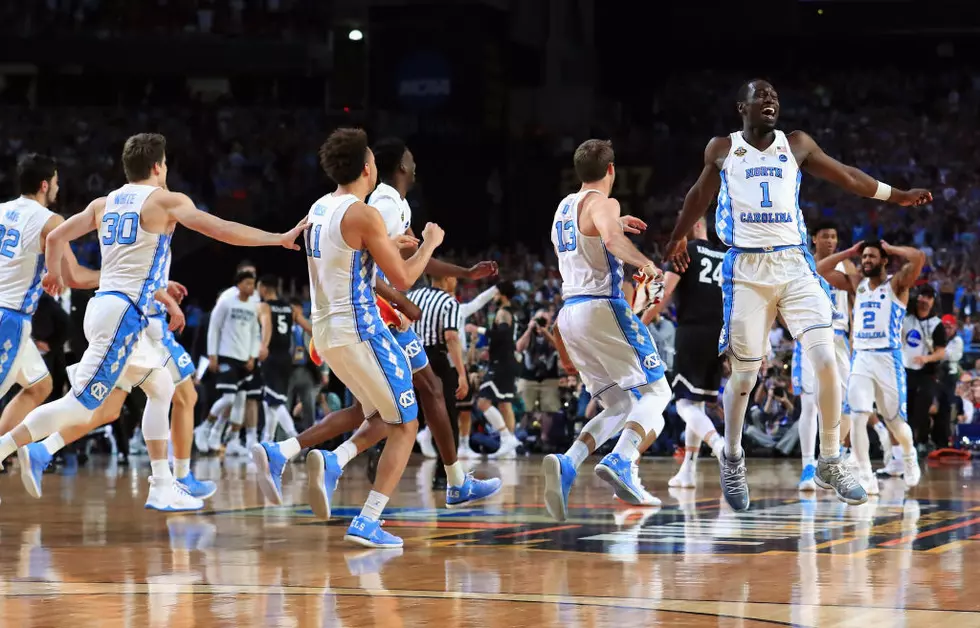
827,268
697,201
182,209
56,243
605,215
439,268
364,226
671,279
823,166
915,260
399,300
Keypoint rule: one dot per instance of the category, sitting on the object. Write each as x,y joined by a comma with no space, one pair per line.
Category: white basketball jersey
394,210
842,304
587,268
758,201
878,317
21,261
133,260
341,279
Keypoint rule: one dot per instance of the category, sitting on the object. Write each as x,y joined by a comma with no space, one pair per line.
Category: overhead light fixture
355,35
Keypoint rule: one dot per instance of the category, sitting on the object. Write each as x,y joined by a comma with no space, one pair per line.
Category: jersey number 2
9,239
765,194
563,228
869,320
707,276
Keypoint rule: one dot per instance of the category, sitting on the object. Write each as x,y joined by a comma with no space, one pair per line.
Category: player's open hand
676,254
288,239
911,198
855,251
52,284
481,270
406,242
176,290
632,224
177,320
433,233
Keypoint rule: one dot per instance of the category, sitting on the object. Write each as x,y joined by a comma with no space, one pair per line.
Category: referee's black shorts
697,365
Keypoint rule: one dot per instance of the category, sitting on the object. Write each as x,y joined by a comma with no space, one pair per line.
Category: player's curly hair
344,154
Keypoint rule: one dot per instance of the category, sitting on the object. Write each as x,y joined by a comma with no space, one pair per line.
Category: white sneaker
235,448
684,478
169,496
424,439
869,481
646,499
201,433
913,474
507,450
214,436
851,463
465,453
895,468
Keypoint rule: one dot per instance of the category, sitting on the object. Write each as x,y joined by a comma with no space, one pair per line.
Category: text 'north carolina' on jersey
758,201
587,268
842,305
21,261
133,260
341,279
878,317
394,210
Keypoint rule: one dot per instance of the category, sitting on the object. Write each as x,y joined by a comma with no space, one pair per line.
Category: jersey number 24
707,274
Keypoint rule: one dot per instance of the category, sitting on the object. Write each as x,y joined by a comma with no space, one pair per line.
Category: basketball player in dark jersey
276,317
498,387
697,365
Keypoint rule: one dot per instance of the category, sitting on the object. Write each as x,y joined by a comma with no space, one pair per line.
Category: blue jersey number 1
765,194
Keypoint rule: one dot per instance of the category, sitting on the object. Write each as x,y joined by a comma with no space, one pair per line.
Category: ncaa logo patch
407,399
913,338
413,348
783,158
652,361
99,391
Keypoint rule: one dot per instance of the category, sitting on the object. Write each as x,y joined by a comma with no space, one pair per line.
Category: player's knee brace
159,389
603,426
219,407
648,409
689,410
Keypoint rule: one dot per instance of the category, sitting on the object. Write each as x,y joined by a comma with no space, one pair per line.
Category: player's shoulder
719,145
798,138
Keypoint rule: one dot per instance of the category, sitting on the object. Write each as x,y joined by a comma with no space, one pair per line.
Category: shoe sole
172,508
369,543
478,500
849,502
266,484
622,490
26,476
315,492
554,500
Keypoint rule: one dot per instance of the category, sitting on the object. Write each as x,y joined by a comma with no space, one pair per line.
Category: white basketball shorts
20,361
804,381
878,378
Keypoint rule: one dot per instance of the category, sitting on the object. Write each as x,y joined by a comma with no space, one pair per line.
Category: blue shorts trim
113,362
398,374
727,297
410,342
11,333
797,373
901,383
181,359
639,338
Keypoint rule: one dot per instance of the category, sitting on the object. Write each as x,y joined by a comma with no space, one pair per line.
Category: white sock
182,467
648,413
374,506
578,452
53,443
455,474
285,421
860,443
628,444
7,446
347,452
161,469
251,435
289,448
496,420
808,427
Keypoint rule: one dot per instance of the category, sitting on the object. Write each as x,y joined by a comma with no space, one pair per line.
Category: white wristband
883,192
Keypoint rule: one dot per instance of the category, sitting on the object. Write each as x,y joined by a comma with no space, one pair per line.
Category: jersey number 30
9,239
563,230
707,275
120,229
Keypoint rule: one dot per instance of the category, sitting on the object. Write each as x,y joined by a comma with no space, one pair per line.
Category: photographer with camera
771,402
538,383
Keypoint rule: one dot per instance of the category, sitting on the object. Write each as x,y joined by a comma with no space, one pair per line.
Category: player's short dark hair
743,91
507,289
140,153
875,244
592,159
824,225
388,154
245,263
269,280
33,170
344,154
243,275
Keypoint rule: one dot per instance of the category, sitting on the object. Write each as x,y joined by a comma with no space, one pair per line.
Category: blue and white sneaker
618,472
368,533
197,488
559,475
270,462
168,495
34,459
806,478
322,472
471,491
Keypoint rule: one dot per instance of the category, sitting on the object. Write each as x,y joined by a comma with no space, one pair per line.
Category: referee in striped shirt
438,330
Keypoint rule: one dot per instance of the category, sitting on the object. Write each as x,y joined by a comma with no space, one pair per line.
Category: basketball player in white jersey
25,224
134,226
345,245
756,173
608,345
804,385
878,370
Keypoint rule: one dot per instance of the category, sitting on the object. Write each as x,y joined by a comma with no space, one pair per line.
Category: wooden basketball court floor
88,554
